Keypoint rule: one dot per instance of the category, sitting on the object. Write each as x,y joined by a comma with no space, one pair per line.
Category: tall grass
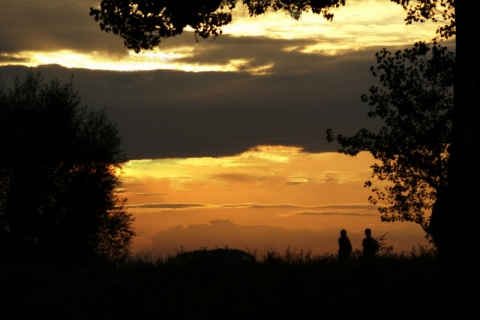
229,284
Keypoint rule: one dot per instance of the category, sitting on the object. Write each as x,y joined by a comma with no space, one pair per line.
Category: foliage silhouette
226,258
58,177
415,104
142,24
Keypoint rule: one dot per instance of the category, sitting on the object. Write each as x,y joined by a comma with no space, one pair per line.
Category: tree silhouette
415,104
142,24
58,177
455,217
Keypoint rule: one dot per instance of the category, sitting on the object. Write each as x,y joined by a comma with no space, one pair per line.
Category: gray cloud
285,54
238,177
349,206
183,114
6,58
270,206
167,205
335,213
48,25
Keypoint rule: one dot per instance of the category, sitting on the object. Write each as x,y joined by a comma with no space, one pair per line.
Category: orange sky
271,196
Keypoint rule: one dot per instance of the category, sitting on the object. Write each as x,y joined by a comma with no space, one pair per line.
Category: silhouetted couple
369,244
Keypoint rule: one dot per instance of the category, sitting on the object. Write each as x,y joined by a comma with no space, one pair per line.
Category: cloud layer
266,80
178,114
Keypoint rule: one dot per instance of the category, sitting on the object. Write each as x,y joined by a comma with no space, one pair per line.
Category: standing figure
370,244
344,245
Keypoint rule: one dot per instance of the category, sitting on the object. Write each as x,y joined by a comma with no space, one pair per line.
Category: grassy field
228,284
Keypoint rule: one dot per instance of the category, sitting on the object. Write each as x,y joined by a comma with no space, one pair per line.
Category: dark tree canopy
58,176
415,105
143,23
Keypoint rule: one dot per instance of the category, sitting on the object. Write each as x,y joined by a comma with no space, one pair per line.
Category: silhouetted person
344,245
370,245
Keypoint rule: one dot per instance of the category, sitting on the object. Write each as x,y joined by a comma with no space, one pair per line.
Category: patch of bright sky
150,60
264,166
260,156
359,24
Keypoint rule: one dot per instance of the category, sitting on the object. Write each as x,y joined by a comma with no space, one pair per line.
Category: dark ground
227,284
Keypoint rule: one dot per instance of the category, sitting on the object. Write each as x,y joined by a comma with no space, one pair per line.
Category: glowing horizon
277,188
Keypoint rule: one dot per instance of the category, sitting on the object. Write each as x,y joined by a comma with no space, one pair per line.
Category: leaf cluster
294,7
433,10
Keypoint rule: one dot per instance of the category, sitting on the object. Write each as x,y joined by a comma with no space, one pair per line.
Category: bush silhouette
58,177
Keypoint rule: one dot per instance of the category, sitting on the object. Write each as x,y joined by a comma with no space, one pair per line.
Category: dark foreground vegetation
228,284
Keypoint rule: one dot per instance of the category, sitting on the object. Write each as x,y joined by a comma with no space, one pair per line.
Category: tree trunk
457,214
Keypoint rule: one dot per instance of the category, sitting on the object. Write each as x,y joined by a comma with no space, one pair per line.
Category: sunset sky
226,136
